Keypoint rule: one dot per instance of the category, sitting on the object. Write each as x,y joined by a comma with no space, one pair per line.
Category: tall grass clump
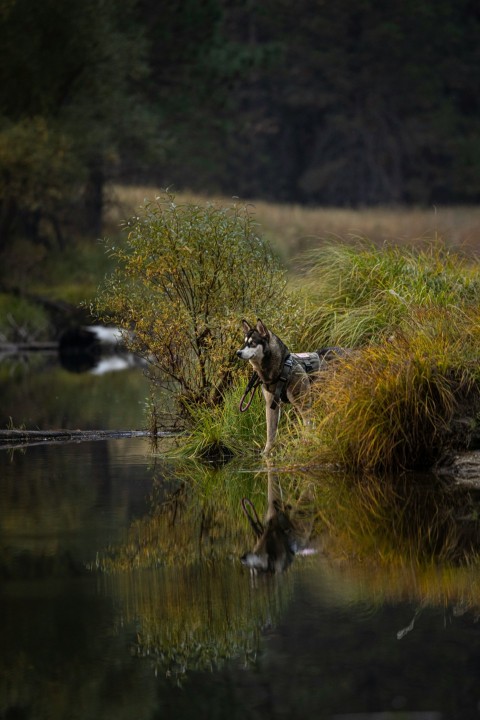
362,293
222,431
405,402
185,276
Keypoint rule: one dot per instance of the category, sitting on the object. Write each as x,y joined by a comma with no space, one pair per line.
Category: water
122,592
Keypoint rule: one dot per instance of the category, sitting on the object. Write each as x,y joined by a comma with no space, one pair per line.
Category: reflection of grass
194,518
399,521
431,585
178,576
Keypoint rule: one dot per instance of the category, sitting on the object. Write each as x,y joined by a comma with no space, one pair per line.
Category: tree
72,101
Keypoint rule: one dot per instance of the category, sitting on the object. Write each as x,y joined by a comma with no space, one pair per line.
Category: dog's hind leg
272,416
300,396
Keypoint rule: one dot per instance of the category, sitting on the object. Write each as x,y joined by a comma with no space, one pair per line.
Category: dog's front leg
272,417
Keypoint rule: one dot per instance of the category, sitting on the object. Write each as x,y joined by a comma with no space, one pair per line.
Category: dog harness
281,389
310,363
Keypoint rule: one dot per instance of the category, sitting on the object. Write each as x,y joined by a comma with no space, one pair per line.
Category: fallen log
24,347
28,437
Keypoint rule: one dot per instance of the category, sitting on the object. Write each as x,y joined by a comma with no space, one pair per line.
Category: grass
295,229
22,320
223,431
363,293
409,392
402,403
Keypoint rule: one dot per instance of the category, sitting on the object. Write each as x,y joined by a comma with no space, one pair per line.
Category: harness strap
280,391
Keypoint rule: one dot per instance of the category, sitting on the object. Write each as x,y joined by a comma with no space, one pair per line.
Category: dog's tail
326,354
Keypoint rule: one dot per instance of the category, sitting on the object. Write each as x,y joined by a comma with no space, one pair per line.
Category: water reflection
179,576
196,618
121,577
37,392
279,538
403,519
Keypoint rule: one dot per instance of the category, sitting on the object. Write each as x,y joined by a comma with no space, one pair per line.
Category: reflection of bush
182,530
400,520
200,616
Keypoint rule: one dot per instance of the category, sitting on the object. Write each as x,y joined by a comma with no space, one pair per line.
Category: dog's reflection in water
278,539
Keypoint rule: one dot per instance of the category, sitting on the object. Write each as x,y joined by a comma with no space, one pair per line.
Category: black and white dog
285,376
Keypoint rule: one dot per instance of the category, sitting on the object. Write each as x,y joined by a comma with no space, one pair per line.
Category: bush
185,277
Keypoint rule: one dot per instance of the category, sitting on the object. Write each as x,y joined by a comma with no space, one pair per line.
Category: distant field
293,228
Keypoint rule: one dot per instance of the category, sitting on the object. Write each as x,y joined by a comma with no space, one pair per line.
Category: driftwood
24,347
18,437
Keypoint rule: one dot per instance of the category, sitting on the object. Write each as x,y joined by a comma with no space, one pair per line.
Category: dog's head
256,341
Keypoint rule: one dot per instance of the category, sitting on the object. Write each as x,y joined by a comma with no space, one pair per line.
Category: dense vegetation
408,391
328,103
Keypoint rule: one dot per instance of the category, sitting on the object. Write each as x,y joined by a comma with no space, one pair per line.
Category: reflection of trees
113,400
52,519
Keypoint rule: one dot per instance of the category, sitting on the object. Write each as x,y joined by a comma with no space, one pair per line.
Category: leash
253,383
257,526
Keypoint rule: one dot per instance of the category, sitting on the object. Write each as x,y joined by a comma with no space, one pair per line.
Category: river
123,593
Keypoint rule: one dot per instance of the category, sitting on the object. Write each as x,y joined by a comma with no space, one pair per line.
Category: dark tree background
339,103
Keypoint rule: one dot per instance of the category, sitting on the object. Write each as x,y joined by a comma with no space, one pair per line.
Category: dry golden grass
294,228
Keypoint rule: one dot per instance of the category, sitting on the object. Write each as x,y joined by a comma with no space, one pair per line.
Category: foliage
38,164
408,395
69,92
333,104
185,278
21,320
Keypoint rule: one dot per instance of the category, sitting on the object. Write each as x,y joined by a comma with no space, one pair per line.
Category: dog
285,376
278,539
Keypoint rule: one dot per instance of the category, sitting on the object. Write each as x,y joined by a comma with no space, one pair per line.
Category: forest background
319,103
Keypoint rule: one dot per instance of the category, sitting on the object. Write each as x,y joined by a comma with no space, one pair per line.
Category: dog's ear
262,328
246,327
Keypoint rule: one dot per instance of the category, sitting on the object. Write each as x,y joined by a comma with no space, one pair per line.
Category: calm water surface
123,596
